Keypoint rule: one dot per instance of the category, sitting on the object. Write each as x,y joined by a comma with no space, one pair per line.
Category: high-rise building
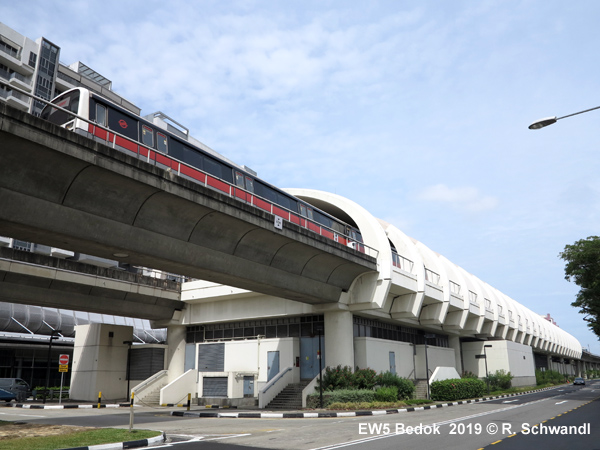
35,67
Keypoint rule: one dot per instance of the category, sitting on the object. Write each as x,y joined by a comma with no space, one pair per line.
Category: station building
419,315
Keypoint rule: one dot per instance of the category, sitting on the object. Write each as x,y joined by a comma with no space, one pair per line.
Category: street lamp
129,343
550,120
487,376
55,334
319,329
427,336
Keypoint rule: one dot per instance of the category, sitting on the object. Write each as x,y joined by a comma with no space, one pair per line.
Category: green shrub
548,377
336,378
500,380
457,389
406,387
386,394
341,396
364,378
468,374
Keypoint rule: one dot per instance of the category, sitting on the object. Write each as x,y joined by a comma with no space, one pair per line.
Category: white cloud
463,198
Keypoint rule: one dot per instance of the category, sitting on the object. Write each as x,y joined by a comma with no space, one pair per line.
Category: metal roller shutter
145,362
214,387
211,358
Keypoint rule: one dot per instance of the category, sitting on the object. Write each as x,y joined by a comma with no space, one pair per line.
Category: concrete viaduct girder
52,282
61,189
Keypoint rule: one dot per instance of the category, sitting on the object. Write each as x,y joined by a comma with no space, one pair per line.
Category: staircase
152,399
290,398
421,389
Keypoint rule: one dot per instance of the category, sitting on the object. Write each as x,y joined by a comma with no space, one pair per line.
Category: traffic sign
63,360
63,368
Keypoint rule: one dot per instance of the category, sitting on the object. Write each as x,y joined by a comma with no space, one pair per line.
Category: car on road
17,386
7,396
579,380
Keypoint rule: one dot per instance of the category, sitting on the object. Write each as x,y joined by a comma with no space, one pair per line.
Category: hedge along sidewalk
314,415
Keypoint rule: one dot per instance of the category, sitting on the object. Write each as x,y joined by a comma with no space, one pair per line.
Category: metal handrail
401,262
271,383
363,247
148,381
432,276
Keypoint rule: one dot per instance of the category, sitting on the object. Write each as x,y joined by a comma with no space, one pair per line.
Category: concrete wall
503,355
375,354
249,358
436,357
100,362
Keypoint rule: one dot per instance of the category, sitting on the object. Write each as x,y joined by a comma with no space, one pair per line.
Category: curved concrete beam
62,189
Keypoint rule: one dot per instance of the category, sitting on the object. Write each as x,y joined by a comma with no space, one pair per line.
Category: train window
161,142
218,169
322,219
147,136
283,200
249,184
309,213
212,167
265,192
69,101
239,180
176,150
100,114
193,158
302,209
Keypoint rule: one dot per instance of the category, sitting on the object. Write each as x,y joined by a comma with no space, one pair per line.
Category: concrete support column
454,342
100,361
339,339
175,351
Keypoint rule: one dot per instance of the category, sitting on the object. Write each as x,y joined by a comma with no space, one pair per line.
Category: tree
583,268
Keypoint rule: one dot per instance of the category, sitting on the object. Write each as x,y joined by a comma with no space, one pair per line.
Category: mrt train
164,146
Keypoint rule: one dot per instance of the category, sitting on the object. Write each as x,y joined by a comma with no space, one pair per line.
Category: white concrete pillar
339,339
100,362
454,342
175,351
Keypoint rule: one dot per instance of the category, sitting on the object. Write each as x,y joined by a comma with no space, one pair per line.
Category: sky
417,110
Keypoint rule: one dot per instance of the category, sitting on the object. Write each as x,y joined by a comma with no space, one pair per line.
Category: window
32,59
5,45
100,114
213,167
239,180
147,136
161,142
69,102
249,184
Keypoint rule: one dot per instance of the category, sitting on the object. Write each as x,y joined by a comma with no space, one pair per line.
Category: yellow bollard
99,398
131,413
189,401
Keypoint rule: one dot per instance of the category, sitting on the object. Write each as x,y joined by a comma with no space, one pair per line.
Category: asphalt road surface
564,417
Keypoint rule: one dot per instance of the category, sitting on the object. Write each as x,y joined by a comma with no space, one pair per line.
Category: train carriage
170,148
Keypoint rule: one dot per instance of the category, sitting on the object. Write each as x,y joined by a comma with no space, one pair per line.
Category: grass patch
76,439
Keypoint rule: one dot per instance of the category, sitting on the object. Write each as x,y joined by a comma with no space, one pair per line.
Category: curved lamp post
550,120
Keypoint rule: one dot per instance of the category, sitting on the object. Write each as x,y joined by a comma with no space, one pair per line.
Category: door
248,386
272,365
393,362
309,361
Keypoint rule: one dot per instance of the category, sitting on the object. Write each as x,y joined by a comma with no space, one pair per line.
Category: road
469,426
